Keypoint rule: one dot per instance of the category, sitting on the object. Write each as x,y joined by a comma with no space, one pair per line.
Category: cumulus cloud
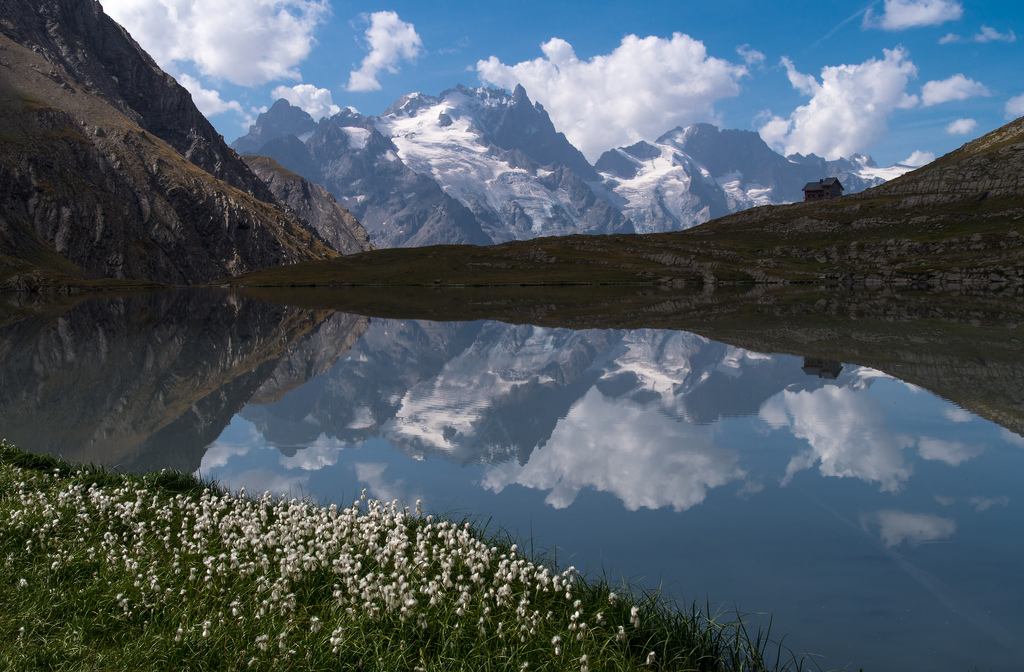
902,527
1015,107
848,109
240,41
957,87
985,35
846,435
391,41
961,126
751,57
638,454
318,103
645,87
950,452
918,158
903,14
208,101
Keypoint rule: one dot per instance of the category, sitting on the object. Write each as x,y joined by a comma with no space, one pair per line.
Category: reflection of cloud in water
319,454
642,457
258,481
1010,437
902,527
218,454
846,434
950,452
984,504
371,474
955,414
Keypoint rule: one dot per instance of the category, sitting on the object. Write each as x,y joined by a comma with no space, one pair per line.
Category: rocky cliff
108,170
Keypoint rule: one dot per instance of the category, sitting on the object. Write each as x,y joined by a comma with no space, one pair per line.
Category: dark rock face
336,225
95,53
109,171
148,381
282,119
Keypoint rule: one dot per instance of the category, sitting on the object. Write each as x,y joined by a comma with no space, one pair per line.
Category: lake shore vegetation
104,570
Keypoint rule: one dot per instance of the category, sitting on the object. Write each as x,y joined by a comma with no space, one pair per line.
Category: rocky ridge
108,171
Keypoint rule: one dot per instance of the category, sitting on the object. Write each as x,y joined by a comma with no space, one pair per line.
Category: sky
899,80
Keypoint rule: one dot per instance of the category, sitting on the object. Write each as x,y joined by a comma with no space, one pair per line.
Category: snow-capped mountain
694,174
470,166
482,166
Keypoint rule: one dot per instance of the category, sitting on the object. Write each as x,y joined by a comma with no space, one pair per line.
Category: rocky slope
107,169
336,225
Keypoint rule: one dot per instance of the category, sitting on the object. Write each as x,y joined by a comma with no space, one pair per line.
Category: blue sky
892,78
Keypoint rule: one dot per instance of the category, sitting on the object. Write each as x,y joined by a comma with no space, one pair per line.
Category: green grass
108,571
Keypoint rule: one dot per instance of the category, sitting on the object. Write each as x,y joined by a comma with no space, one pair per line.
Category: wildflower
612,597
583,663
634,616
261,642
650,658
315,624
22,583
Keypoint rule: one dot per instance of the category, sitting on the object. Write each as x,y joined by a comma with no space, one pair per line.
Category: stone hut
823,190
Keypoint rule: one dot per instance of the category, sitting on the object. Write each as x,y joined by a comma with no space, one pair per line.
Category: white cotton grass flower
583,663
650,659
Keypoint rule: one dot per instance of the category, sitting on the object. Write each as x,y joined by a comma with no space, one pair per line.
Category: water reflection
800,485
148,381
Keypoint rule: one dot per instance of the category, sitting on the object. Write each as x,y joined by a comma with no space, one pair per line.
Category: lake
857,478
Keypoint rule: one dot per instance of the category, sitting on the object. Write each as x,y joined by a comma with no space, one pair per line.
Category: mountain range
483,166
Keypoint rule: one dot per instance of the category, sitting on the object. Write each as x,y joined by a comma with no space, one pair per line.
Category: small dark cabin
823,190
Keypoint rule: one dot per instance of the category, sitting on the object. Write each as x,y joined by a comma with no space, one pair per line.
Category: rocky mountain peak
281,119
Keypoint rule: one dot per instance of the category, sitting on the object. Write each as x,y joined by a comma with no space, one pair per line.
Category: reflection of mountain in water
487,391
148,381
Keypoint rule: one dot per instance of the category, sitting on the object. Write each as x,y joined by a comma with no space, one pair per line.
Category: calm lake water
879,524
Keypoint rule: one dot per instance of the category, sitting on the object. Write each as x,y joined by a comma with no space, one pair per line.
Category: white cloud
645,87
918,158
372,475
950,452
751,57
241,41
638,454
957,87
984,504
985,35
318,103
391,41
848,109
903,14
900,527
956,414
845,431
989,34
208,101
1015,107
961,126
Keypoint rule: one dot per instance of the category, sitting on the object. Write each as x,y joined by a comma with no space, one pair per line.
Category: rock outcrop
108,170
